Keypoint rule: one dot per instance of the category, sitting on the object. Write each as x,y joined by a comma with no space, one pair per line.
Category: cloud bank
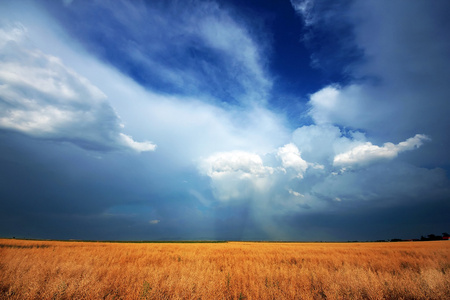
43,98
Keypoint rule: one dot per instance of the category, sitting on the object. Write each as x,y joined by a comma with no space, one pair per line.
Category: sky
301,120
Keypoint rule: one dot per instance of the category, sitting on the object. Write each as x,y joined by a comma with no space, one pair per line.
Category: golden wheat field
233,270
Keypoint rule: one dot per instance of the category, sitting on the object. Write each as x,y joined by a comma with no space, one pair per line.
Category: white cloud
245,175
345,106
296,194
138,146
12,32
291,158
239,162
325,145
154,222
319,144
200,129
323,103
42,97
368,153
316,142
237,175
175,62
173,121
224,34
241,175
304,8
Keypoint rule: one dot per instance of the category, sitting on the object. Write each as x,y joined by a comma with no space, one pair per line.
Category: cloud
297,194
328,145
396,85
396,183
368,153
138,146
390,86
245,176
171,119
291,158
349,106
194,77
225,34
244,163
236,174
319,144
205,49
43,98
304,7
332,105
284,181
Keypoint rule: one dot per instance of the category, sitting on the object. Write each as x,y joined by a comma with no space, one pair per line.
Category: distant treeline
430,237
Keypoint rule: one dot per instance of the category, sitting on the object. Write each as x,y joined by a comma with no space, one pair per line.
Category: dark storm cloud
54,190
365,222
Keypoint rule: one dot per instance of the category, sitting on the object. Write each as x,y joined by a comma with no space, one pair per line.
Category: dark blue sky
225,120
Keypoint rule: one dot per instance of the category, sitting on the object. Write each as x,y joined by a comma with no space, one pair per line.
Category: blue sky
224,120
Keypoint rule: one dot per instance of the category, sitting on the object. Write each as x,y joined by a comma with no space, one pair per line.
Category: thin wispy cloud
181,48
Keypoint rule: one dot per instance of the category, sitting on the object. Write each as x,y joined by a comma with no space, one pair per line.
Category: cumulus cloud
328,145
291,158
43,98
367,152
245,175
244,163
319,144
236,174
351,105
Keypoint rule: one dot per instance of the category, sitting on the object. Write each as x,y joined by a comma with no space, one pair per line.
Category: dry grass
82,270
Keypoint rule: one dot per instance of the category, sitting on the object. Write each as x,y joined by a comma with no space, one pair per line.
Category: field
233,270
